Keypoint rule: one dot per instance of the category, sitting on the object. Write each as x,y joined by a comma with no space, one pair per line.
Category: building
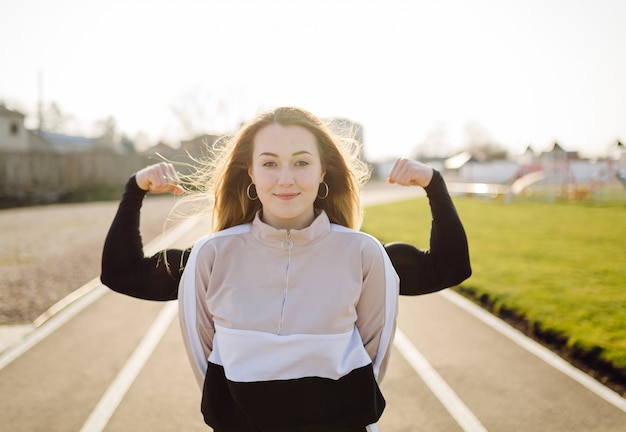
14,137
201,146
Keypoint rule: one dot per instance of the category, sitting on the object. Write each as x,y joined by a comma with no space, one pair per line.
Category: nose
286,177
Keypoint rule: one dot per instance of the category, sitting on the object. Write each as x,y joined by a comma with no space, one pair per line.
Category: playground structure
557,175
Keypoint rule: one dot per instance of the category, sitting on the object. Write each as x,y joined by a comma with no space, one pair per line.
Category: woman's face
286,170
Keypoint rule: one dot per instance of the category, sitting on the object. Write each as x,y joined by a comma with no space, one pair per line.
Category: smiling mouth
286,196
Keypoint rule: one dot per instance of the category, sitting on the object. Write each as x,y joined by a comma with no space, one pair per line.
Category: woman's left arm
446,263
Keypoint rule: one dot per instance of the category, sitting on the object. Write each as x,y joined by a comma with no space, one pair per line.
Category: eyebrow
298,153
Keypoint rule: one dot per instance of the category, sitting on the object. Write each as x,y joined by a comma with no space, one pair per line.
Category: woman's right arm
125,268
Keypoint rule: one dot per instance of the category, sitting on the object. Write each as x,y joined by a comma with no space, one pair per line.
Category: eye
269,164
302,163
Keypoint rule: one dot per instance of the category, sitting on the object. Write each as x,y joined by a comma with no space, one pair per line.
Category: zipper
287,245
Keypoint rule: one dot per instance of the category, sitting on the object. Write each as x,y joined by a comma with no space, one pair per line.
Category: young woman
293,307
125,269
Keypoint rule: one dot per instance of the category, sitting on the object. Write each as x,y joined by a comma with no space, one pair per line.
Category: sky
429,75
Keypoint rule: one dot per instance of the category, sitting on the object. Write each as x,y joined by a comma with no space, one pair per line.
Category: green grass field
562,266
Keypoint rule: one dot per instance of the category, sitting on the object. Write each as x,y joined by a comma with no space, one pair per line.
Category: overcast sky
416,72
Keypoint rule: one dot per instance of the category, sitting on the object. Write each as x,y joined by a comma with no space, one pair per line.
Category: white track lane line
70,306
448,398
95,291
537,349
100,416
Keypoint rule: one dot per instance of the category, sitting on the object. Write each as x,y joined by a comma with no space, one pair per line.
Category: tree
199,111
106,128
127,145
107,133
54,119
481,145
435,144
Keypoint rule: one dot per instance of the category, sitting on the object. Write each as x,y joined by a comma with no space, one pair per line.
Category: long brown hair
226,173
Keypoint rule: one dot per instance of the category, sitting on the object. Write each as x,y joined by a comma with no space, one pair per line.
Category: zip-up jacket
289,330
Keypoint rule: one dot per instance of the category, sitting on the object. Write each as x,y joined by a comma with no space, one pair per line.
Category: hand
407,172
159,178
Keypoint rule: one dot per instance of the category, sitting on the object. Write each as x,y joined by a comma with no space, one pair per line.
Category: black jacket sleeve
125,269
447,262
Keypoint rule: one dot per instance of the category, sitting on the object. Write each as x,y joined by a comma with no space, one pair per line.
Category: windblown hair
224,177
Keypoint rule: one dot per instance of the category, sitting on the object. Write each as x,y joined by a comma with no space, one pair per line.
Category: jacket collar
276,237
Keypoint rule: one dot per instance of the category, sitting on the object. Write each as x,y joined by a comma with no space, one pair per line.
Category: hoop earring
249,195
327,190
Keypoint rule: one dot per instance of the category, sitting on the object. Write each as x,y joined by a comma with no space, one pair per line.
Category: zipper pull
287,244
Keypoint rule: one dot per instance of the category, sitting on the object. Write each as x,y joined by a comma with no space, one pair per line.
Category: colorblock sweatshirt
289,330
